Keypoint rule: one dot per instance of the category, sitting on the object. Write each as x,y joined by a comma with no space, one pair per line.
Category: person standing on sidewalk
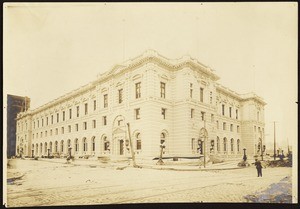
258,167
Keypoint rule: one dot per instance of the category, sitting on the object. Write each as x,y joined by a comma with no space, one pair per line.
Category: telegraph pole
274,141
131,147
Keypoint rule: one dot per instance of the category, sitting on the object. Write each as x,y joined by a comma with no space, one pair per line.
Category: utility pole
131,147
274,141
288,145
204,144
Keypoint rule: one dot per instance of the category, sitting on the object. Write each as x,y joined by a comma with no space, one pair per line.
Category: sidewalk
122,164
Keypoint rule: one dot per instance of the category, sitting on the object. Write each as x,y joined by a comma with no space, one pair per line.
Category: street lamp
245,156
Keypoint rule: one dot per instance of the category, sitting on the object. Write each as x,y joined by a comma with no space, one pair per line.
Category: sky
52,49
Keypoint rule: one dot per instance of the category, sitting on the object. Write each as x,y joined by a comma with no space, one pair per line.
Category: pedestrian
258,167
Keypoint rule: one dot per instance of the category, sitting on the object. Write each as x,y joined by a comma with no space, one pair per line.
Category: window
95,105
47,121
69,128
210,98
77,108
51,119
104,120
224,126
231,127
38,124
45,133
217,124
105,100
57,117
56,146
84,125
120,93
138,90
86,108
85,145
37,135
193,144
238,145
163,112
62,146
64,114
192,113
56,131
212,118
138,141
162,90
62,130
230,109
202,116
93,144
191,90
137,113
76,145
33,125
106,144
120,122
238,129
94,123
70,113
201,94
42,122
231,145
32,136
257,115
50,132
76,126
41,134
236,114
225,144
223,109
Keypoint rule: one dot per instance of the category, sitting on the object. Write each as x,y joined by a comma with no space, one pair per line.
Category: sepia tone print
151,129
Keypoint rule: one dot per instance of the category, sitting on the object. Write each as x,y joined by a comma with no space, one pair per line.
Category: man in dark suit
258,167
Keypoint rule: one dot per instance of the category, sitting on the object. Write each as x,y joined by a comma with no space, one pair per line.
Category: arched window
231,145
69,143
218,144
56,146
36,149
62,146
163,141
84,144
106,144
138,141
50,147
76,145
41,148
93,144
25,149
225,144
238,145
46,148
212,145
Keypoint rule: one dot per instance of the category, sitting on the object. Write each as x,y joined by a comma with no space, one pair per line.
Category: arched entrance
119,136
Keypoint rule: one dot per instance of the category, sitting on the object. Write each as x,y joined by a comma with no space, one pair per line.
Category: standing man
258,167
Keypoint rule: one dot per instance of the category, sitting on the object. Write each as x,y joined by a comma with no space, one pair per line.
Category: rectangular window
230,109
70,113
201,94
191,90
77,108
104,120
84,125
69,128
105,100
162,90
138,90
50,132
224,126
138,144
95,105
231,127
120,93
42,122
51,119
238,129
223,109
41,134
86,108
57,117
163,112
62,130
37,135
76,126
137,113
47,121
64,114
236,114
202,116
192,113
94,123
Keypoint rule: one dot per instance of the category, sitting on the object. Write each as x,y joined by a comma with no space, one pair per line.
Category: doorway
121,147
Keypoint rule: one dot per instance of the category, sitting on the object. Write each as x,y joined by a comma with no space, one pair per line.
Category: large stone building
177,103
15,105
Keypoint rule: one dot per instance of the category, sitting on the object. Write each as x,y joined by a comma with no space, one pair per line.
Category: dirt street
48,183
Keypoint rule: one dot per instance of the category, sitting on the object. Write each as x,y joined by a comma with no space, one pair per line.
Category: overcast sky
52,49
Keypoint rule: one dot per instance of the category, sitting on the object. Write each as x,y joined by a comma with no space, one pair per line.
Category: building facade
15,105
175,103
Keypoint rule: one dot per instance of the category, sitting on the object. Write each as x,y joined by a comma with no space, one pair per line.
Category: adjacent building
15,105
176,103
